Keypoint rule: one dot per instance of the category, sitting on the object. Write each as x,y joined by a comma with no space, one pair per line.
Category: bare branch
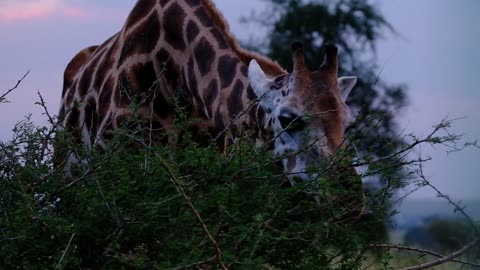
457,207
241,114
3,96
196,265
445,259
425,251
187,199
43,104
65,252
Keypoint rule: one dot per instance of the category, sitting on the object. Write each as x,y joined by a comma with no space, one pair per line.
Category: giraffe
184,49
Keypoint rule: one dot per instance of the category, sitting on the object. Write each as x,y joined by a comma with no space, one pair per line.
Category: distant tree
355,26
444,234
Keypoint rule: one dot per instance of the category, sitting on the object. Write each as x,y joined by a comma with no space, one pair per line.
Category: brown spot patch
219,120
162,105
139,11
244,70
73,124
204,17
71,94
192,81
204,56
170,71
122,91
87,77
145,78
104,98
106,132
209,96
234,101
75,65
91,117
222,43
61,113
192,31
173,20
143,39
104,66
227,68
250,93
193,2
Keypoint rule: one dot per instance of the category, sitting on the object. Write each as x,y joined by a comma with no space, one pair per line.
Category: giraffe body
183,49
165,50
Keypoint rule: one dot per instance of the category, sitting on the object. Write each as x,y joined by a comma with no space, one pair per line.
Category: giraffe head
306,111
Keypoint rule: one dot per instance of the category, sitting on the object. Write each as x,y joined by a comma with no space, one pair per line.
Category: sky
435,52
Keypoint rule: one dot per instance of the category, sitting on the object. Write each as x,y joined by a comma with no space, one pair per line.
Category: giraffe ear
346,85
258,80
261,86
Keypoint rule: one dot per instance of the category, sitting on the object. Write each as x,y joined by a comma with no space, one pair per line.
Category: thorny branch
445,259
457,208
430,138
49,135
3,96
196,265
187,199
419,250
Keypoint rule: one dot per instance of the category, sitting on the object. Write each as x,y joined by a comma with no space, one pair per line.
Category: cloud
28,10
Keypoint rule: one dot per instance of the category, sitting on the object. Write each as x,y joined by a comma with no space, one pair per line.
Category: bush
180,206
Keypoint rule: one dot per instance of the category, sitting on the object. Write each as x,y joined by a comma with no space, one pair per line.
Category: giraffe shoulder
77,62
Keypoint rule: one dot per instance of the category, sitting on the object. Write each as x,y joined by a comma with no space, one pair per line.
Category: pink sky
25,10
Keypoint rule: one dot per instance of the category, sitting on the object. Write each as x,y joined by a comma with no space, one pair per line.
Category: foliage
123,210
135,205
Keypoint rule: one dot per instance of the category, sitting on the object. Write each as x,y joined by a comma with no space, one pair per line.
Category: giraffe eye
291,123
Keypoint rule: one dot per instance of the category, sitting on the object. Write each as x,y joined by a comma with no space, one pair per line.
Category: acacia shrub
123,207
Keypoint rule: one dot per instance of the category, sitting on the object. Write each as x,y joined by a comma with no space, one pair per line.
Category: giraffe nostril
291,163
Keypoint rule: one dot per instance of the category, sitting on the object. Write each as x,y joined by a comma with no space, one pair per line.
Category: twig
459,252
237,117
48,135
425,182
187,199
74,182
425,251
195,265
445,259
416,142
43,104
58,266
2,97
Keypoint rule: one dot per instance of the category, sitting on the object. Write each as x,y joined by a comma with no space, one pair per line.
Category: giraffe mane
269,66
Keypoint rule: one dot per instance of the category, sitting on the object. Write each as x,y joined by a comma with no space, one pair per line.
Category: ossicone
330,61
298,57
